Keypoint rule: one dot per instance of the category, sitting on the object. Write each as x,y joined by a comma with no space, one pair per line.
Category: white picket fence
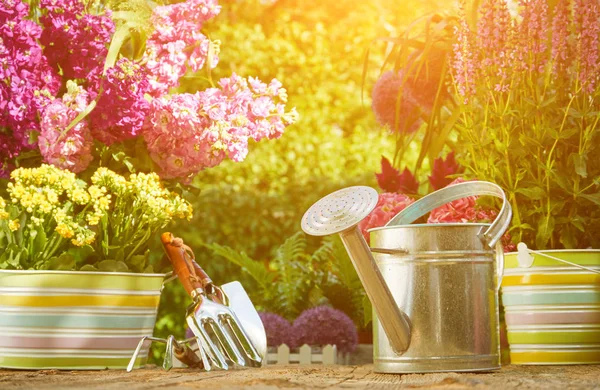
305,355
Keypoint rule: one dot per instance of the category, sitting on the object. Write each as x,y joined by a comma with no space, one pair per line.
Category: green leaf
534,193
89,267
579,162
594,198
64,262
112,266
137,262
81,254
255,269
544,232
39,242
120,256
567,238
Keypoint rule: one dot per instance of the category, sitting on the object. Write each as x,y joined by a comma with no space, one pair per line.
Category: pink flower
463,66
28,81
388,205
75,41
393,104
561,51
187,133
71,149
177,42
587,29
494,34
122,107
467,210
532,32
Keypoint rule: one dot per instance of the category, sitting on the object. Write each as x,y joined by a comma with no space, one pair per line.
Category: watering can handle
455,192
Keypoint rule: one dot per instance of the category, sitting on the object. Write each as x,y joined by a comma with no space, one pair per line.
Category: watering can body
445,279
434,287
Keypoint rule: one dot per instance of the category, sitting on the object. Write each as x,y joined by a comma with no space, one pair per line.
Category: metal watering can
434,287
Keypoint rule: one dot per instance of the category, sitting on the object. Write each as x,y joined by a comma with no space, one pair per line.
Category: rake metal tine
168,361
139,348
243,340
226,341
206,344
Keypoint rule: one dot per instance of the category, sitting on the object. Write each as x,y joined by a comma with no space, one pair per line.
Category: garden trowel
227,327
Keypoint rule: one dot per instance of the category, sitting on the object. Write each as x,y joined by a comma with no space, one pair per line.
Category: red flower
441,170
390,179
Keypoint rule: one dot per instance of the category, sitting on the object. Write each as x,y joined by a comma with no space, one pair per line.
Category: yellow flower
64,230
14,225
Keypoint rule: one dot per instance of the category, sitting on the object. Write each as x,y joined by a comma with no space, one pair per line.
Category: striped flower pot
552,309
75,320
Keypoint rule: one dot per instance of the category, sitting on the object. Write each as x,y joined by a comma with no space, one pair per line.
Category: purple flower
587,29
390,93
561,51
324,325
279,330
532,32
28,81
121,109
75,41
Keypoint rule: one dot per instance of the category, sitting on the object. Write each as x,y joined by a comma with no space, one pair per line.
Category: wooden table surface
308,377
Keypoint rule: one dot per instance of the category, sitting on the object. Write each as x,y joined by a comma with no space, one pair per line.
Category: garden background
317,50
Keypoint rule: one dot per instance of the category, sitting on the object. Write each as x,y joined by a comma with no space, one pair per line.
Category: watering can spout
395,322
340,212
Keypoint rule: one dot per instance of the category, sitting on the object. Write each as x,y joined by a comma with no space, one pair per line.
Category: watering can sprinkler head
340,212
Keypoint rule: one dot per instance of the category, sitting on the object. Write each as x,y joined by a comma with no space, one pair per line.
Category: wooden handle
203,276
186,273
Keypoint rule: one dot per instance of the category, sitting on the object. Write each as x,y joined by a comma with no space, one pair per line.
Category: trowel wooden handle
203,276
191,281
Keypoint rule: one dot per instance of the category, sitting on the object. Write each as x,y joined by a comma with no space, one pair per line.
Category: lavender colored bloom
324,325
561,51
387,91
279,330
463,65
587,29
532,32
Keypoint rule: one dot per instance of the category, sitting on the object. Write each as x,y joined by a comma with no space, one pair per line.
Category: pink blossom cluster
75,41
464,70
186,133
531,44
67,149
28,82
495,35
122,107
467,210
177,42
561,53
587,28
388,205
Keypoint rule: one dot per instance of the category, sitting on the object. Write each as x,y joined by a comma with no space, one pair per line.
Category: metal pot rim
99,273
424,225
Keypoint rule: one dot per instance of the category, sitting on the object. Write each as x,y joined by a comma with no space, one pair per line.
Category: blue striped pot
75,320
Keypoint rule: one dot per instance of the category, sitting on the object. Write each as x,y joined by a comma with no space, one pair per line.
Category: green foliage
532,127
295,279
